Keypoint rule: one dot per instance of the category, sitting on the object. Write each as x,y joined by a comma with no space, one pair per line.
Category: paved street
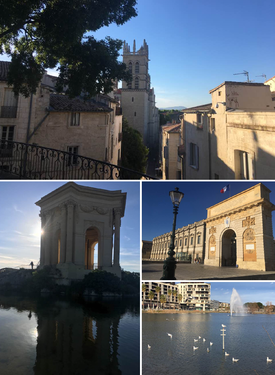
153,271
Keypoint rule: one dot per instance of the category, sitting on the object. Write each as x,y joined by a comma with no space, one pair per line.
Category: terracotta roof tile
62,103
175,128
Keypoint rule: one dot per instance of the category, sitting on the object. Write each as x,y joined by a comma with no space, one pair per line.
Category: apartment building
195,295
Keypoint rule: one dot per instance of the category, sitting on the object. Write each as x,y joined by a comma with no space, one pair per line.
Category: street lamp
169,265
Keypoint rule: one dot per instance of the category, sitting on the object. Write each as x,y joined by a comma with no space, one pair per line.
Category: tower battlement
142,51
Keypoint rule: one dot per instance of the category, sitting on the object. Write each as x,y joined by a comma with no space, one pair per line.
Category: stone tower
137,97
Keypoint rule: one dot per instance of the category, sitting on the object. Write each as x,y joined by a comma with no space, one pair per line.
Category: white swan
195,340
169,334
149,347
199,337
195,347
226,354
211,343
208,350
234,359
203,340
268,359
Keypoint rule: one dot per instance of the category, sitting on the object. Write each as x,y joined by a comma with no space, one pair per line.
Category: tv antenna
245,73
262,75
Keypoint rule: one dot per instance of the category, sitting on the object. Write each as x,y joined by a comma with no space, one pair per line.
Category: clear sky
20,223
196,45
157,208
248,291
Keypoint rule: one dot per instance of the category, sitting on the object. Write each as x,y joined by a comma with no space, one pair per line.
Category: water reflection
74,339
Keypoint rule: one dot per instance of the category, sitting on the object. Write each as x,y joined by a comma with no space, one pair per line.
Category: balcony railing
8,112
25,161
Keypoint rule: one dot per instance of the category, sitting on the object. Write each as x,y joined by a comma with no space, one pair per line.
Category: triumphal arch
76,220
239,231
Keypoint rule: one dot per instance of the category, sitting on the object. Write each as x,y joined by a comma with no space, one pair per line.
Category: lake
48,336
245,339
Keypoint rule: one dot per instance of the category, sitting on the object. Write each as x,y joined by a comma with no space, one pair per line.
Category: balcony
8,112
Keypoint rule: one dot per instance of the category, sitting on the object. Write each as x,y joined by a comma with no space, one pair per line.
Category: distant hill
179,108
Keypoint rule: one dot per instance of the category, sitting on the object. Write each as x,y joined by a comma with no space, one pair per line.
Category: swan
149,347
203,340
195,347
199,337
226,354
169,334
195,340
234,359
211,343
208,350
268,359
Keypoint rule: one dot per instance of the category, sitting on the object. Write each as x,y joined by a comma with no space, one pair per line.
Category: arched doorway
91,248
229,248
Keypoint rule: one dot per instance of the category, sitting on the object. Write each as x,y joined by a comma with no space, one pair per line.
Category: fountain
236,304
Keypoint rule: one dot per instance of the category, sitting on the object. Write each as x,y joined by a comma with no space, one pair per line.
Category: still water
245,339
50,337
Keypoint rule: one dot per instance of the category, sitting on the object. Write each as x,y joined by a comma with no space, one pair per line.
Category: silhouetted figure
31,264
30,315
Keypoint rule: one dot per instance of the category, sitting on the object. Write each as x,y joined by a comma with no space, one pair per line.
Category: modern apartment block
195,295
184,295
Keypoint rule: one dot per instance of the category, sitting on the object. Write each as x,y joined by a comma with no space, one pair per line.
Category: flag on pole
225,188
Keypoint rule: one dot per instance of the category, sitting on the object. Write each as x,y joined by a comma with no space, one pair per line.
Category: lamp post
169,265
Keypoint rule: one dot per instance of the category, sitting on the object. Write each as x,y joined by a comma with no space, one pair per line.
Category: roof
4,68
236,83
62,103
270,79
175,128
198,108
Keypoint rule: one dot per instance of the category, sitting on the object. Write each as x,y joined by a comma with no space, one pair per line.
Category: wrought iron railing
27,161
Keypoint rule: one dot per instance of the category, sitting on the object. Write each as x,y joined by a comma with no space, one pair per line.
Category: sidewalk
153,271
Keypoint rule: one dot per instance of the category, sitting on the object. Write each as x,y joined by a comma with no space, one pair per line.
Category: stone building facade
171,162
137,97
74,219
233,136
91,128
236,232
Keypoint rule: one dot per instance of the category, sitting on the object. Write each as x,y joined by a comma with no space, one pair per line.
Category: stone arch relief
249,245
212,247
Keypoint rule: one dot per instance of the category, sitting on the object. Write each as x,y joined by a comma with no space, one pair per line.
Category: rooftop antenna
245,73
262,75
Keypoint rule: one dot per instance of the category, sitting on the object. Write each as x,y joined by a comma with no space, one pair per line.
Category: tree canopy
134,153
43,34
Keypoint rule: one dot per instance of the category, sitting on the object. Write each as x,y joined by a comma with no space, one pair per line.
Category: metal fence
26,161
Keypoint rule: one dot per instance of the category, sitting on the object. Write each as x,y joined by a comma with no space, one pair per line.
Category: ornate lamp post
170,262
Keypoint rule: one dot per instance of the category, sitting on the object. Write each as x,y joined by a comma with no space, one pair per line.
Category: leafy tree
41,34
143,288
151,295
169,294
158,289
134,153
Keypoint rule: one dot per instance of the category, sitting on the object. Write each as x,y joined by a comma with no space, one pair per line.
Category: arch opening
91,249
229,249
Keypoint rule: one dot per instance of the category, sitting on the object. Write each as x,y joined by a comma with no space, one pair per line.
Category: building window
75,119
133,99
136,83
9,109
243,165
130,67
219,93
192,239
137,68
7,133
212,125
199,118
185,242
129,85
199,239
180,242
72,159
194,156
112,146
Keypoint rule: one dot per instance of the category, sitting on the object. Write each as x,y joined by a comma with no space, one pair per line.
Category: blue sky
20,222
248,291
196,45
157,208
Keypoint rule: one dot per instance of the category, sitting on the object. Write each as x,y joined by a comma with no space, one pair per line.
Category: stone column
42,240
70,231
48,242
117,212
63,234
